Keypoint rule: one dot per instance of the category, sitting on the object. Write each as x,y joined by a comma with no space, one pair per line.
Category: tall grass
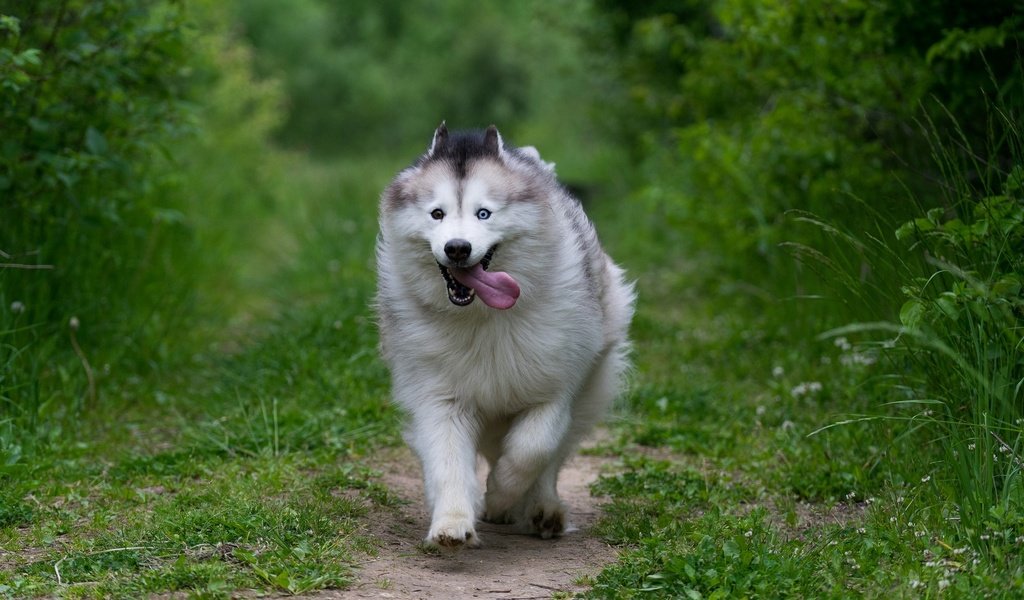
955,350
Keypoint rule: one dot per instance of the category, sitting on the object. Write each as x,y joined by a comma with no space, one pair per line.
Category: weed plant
952,364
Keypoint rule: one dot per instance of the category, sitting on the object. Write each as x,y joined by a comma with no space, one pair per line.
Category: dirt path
508,566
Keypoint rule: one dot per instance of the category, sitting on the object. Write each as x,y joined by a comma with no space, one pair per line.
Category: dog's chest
509,364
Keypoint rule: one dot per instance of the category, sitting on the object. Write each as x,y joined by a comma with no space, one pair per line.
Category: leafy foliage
90,98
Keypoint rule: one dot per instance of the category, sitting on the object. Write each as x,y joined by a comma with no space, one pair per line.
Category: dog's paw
547,518
453,532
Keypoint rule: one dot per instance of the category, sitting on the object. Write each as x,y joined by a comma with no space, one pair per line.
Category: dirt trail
508,566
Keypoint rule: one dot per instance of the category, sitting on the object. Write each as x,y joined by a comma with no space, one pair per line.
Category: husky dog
504,325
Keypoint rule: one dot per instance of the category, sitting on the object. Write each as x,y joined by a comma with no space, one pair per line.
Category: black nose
458,250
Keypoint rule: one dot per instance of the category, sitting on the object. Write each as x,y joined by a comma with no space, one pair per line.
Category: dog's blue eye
437,214
483,213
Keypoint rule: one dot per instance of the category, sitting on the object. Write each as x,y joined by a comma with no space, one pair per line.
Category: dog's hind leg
443,437
543,512
534,442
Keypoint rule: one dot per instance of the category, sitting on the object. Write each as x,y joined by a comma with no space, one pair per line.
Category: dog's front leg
444,438
533,445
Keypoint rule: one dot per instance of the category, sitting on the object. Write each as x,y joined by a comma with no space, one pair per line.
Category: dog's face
470,201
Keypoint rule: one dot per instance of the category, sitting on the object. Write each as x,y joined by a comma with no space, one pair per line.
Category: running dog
504,325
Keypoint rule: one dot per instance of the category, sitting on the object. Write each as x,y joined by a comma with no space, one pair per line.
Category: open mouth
459,294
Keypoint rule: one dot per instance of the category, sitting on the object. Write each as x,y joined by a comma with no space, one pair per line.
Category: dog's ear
440,139
492,142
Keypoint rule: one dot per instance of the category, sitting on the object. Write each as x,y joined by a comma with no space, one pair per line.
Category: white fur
520,386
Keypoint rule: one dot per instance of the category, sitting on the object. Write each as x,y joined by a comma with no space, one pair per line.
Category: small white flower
892,519
899,500
926,479
943,584
919,534
985,537
1019,539
17,307
73,323
971,446
842,343
749,533
778,371
862,530
914,584
851,495
760,410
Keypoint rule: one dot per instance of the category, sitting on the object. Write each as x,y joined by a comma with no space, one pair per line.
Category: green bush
961,335
746,110
135,134
90,98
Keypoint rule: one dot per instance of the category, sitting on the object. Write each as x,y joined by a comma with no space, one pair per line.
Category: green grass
760,464
240,465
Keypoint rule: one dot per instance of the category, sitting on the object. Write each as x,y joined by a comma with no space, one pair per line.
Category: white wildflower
17,307
926,479
842,343
806,388
748,533
778,371
943,584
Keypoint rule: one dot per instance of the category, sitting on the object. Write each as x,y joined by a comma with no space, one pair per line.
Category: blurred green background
185,182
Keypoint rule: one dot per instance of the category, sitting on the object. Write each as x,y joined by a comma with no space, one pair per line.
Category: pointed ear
492,141
440,139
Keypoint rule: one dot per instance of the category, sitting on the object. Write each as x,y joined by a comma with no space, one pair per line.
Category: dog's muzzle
458,294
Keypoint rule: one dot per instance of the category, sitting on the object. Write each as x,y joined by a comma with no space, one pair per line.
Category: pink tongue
496,289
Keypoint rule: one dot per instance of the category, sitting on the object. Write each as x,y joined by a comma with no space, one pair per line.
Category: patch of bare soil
510,565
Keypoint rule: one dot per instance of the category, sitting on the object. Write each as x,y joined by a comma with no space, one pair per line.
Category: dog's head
471,199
